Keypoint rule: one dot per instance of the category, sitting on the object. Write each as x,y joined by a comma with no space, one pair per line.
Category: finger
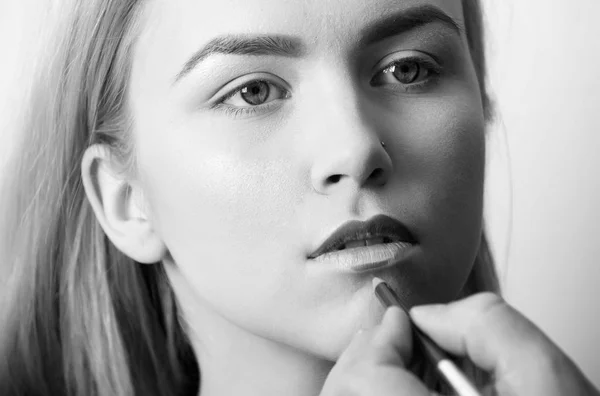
357,347
483,327
392,341
392,380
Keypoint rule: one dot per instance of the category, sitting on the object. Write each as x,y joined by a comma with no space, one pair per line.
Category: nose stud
382,144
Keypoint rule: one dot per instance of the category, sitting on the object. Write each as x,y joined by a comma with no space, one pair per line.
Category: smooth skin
233,203
233,197
495,336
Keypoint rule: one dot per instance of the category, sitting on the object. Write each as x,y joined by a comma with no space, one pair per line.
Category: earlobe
119,207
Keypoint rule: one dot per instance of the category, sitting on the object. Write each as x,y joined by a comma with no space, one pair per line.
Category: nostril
377,173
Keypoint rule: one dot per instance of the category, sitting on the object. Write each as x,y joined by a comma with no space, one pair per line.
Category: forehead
311,17
172,30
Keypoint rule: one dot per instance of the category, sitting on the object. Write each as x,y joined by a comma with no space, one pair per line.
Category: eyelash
432,68
235,111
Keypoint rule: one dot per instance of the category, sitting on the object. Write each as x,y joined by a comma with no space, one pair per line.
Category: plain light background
545,60
543,186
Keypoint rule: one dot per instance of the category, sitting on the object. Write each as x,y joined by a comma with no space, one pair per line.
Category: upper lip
354,230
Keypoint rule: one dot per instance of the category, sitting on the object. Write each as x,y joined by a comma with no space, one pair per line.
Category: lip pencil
436,355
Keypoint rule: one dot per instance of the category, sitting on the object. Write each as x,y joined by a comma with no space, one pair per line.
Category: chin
334,338
330,349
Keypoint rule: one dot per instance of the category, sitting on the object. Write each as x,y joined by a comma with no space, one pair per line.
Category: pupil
407,73
256,93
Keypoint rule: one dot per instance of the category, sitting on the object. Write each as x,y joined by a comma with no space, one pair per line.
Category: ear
120,207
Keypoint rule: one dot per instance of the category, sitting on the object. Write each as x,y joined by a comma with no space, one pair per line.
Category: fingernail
391,314
394,310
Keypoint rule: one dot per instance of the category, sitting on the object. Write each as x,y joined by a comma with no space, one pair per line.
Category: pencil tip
377,281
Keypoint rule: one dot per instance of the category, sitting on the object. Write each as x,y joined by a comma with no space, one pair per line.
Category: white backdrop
545,60
543,187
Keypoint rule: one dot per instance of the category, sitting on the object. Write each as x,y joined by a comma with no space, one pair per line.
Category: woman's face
250,161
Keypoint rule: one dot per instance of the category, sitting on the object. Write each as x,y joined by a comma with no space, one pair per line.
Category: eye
411,72
407,72
254,93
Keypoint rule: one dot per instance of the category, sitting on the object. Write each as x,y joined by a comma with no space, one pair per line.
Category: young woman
205,190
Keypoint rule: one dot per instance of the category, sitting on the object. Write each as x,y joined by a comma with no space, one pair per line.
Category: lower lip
366,258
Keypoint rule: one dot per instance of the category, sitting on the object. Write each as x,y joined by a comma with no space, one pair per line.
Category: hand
374,362
483,327
500,340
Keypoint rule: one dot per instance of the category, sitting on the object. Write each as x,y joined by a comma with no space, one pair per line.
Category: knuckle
486,305
487,299
484,311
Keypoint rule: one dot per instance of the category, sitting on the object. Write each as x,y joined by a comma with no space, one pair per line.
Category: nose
349,143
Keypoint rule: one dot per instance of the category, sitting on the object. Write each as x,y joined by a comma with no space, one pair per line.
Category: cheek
221,196
445,162
220,210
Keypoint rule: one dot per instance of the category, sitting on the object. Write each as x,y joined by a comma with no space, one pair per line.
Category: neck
234,361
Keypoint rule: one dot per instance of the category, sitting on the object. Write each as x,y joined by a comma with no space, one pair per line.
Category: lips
380,226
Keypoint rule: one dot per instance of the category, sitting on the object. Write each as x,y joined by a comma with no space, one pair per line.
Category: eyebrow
293,47
282,45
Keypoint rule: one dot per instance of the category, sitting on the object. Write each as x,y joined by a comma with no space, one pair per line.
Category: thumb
498,339
486,329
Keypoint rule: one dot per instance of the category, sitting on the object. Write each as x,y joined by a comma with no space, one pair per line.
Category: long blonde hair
80,317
